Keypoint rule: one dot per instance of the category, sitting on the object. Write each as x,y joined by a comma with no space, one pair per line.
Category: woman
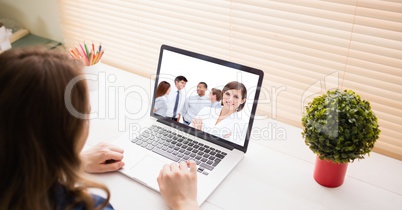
225,122
162,91
41,141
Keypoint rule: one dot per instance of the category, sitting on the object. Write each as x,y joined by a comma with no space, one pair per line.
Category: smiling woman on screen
225,122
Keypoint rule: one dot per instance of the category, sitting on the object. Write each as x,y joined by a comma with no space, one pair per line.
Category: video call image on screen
216,99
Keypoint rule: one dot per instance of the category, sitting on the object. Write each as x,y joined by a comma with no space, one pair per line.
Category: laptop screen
205,96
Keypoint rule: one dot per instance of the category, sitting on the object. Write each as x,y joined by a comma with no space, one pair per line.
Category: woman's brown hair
236,86
163,87
39,137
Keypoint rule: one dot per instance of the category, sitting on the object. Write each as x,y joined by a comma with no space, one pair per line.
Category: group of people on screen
216,113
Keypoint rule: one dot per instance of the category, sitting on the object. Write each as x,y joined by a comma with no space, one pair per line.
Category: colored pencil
99,56
89,58
83,51
86,50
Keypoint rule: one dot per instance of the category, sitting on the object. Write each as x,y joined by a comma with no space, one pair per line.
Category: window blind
304,47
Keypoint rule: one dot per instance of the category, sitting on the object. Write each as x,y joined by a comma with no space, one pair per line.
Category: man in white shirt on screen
215,96
176,98
195,103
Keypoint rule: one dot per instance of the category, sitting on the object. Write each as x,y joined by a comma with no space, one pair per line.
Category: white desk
274,174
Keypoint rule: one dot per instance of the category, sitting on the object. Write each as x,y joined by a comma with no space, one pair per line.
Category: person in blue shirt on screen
195,103
215,96
41,139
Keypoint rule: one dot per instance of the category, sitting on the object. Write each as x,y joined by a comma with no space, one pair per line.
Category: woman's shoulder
214,108
207,109
98,200
240,117
209,113
63,199
161,99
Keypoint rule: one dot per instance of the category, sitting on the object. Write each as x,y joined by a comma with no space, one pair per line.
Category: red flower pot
328,173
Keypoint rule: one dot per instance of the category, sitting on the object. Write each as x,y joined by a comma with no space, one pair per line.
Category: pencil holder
92,76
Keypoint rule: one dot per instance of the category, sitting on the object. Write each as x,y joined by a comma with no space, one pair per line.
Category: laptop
216,150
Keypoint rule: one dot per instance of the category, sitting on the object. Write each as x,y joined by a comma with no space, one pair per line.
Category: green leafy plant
339,126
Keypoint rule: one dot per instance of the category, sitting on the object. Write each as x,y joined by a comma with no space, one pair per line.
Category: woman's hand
178,185
102,157
197,124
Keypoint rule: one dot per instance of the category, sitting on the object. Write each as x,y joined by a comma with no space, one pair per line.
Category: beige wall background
40,17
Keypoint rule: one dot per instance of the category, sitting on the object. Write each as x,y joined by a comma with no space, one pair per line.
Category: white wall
41,17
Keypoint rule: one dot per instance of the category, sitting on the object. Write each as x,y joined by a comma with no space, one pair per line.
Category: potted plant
339,127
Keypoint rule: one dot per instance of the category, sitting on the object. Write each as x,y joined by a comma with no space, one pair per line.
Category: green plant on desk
339,127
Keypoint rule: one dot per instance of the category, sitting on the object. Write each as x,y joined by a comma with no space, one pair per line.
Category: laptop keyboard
179,148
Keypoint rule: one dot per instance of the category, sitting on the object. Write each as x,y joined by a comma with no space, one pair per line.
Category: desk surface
276,172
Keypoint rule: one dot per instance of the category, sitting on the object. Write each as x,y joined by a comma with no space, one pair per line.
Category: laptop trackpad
147,171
